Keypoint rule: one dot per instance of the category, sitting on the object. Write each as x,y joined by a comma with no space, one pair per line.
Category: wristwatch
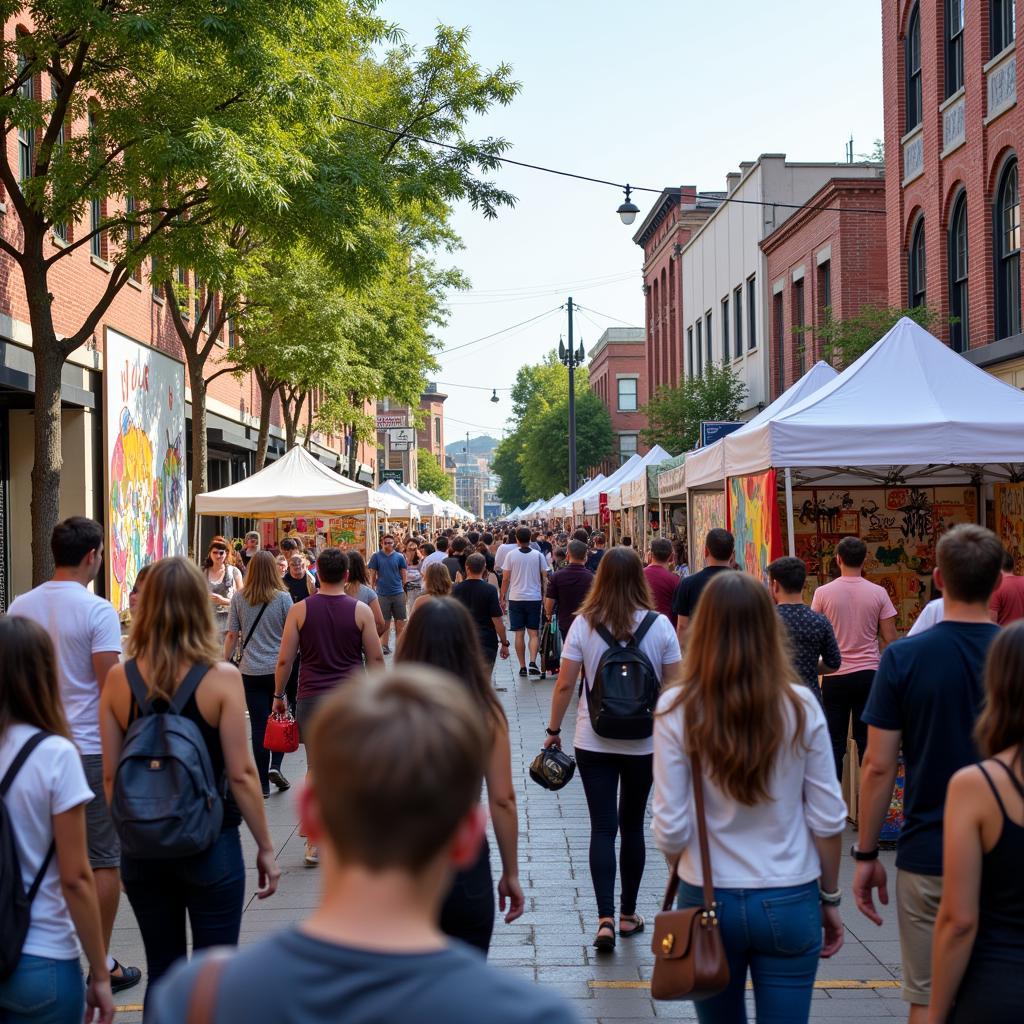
863,854
504,643
553,732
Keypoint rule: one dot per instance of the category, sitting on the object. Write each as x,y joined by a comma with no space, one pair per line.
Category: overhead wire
506,335
494,334
606,316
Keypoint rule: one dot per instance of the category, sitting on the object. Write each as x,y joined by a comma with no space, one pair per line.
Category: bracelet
862,855
830,899
553,732
504,643
279,696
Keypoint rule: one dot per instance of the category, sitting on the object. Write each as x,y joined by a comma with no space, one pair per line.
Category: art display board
1009,524
900,526
144,432
755,522
346,532
707,512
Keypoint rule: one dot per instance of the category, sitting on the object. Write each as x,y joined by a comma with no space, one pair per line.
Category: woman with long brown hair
173,634
437,582
45,805
774,811
616,773
442,634
978,944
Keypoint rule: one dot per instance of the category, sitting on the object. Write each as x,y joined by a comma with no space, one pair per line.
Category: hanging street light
628,210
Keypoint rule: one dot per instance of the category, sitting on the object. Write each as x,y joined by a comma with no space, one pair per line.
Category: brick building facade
430,436
618,372
953,127
831,255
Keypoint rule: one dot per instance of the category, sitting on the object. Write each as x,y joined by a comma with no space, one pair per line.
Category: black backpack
625,690
15,903
166,800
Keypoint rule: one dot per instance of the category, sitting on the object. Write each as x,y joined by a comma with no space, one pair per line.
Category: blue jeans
43,991
776,933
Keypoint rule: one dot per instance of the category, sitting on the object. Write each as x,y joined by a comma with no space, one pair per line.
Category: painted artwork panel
707,510
144,400
1009,510
754,521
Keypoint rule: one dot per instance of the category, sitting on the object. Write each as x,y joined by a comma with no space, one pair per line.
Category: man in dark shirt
812,641
660,577
718,549
481,599
568,587
595,556
456,557
925,697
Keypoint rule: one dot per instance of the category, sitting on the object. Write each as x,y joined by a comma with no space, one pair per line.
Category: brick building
430,436
619,377
832,256
952,74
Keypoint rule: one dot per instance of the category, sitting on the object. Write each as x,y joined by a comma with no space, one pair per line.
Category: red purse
282,734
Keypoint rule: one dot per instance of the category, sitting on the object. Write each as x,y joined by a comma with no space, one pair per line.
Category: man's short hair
252,535
789,572
524,535
720,544
661,549
581,534
577,551
487,537
332,565
388,536
396,764
853,551
970,559
442,543
290,544
73,538
459,544
476,563
473,537
1007,561
626,542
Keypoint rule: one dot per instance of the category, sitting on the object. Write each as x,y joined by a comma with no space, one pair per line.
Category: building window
700,350
709,341
912,60
26,136
737,316
232,334
1007,232
627,394
751,313
1002,24
916,266
779,330
60,228
954,45
627,446
824,291
958,337
689,351
437,430
726,349
799,336
96,204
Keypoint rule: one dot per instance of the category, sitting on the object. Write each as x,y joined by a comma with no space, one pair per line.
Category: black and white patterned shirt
810,637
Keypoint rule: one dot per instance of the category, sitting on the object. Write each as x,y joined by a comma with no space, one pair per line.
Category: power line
606,316
477,426
509,333
545,294
472,387
523,323
563,286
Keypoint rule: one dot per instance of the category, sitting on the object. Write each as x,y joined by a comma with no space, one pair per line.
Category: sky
655,93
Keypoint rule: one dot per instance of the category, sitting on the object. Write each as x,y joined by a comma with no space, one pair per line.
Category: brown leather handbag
689,956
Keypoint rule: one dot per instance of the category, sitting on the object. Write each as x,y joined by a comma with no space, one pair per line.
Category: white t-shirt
434,556
524,570
504,550
50,782
80,625
583,644
931,615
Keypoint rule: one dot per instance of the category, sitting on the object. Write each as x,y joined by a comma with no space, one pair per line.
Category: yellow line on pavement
821,983
129,1008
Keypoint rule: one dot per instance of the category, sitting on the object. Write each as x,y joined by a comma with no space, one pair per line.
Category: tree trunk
200,452
47,459
308,444
353,453
266,400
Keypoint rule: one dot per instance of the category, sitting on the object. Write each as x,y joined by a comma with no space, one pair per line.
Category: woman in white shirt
775,813
45,806
616,773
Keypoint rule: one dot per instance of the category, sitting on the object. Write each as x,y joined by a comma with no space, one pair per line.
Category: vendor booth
424,508
592,507
668,489
563,509
627,500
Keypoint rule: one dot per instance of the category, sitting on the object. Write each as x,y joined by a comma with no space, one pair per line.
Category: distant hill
483,446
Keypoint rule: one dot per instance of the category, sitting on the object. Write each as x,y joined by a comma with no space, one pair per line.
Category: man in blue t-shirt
926,696
388,568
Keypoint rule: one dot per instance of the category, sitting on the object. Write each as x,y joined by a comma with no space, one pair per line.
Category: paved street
550,944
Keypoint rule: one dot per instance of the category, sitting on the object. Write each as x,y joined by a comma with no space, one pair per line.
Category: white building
724,271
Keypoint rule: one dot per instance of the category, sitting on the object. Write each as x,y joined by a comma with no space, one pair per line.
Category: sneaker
128,977
534,672
311,856
386,649
523,672
279,780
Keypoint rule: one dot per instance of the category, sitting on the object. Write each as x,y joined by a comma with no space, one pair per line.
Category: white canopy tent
423,506
652,458
592,499
564,507
545,508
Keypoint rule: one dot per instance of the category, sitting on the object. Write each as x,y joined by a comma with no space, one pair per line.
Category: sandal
638,923
605,940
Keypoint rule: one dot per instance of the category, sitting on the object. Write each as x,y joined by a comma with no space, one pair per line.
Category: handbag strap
252,628
702,839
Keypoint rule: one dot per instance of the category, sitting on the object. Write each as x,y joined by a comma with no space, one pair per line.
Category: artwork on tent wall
320,531
754,521
707,509
311,530
1009,509
144,403
900,526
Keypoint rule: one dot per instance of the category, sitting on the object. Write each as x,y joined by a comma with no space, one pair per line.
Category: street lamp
494,395
628,210
571,358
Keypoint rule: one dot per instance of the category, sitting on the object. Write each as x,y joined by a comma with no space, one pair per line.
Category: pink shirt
855,606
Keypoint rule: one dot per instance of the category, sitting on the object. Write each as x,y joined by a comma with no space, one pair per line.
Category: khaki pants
917,899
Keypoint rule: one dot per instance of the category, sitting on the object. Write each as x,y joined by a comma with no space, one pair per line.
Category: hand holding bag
687,944
281,735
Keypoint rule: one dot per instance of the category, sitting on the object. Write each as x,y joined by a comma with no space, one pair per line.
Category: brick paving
550,944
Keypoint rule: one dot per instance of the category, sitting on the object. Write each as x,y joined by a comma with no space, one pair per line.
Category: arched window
954,45
916,266
1007,239
958,334
912,60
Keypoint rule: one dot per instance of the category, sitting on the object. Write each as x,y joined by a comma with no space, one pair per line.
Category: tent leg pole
789,512
661,519
195,537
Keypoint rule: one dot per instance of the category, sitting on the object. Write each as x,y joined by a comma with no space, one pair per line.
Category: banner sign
392,420
712,430
392,474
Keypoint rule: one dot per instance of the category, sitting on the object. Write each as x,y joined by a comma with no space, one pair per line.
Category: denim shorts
43,991
523,615
392,606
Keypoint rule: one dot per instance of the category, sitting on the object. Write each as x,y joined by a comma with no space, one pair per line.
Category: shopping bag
551,647
282,734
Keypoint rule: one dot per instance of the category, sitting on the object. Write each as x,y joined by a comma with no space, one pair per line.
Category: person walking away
925,699
437,582
773,806
568,588
299,580
438,553
661,579
522,591
389,571
480,599
86,636
444,637
504,550
256,625
597,551
1007,603
682,568
616,773
334,636
413,573
930,614
223,579
978,946
718,551
250,545
358,586
454,561
174,641
45,793
371,949
812,643
860,613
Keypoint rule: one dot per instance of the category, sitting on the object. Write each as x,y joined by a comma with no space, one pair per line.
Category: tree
842,342
674,414
431,476
511,489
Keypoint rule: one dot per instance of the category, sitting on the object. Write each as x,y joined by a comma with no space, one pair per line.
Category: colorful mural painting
754,521
707,511
144,399
1009,513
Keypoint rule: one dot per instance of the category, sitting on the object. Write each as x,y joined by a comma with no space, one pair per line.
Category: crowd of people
742,686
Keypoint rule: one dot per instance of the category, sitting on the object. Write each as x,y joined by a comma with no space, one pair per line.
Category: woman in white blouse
775,813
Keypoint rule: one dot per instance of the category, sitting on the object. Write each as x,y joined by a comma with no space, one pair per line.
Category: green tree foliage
431,476
511,489
674,414
842,342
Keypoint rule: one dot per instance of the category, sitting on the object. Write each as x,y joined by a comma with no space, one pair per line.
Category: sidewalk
550,944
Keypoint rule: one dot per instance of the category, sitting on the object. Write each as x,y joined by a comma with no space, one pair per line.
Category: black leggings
259,698
616,787
468,912
843,696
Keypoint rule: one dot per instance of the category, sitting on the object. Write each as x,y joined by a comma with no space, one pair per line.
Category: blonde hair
262,579
437,580
737,678
618,592
173,625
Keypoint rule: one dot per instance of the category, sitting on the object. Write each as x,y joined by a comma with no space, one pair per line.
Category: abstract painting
707,511
754,521
1009,509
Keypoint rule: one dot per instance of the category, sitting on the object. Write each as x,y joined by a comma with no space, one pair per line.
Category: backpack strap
605,635
188,687
649,619
138,687
181,696
8,780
